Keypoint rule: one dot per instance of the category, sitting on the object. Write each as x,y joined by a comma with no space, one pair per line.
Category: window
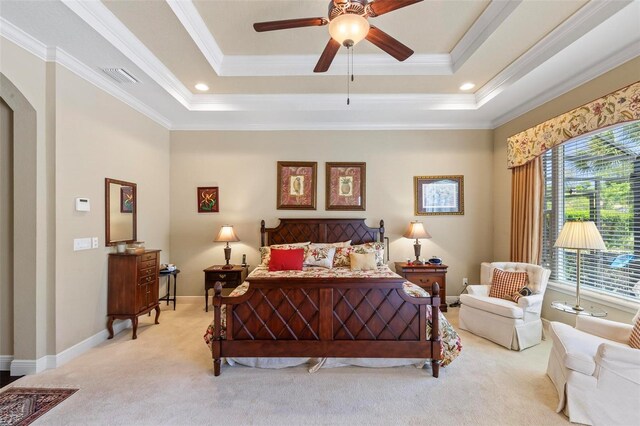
597,178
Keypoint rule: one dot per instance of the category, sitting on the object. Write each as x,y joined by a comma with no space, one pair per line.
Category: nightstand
231,277
424,276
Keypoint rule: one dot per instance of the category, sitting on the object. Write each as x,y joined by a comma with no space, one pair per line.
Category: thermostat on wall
83,205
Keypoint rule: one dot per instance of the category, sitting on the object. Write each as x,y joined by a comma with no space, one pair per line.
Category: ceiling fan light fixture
349,29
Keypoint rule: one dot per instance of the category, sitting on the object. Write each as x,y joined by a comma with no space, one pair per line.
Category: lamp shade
226,234
580,235
416,230
349,27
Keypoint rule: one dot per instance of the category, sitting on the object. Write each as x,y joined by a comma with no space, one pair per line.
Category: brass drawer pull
222,276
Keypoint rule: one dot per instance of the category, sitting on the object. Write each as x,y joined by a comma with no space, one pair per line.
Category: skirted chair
514,325
595,371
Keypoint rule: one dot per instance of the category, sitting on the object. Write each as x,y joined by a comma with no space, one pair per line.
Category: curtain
527,196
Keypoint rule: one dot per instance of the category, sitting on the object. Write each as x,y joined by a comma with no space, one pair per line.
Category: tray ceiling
173,45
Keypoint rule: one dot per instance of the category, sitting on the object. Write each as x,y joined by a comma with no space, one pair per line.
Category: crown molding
494,15
627,53
105,23
54,54
191,20
566,33
319,125
302,65
24,40
102,82
334,102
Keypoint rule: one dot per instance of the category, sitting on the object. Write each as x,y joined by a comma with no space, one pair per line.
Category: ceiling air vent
120,75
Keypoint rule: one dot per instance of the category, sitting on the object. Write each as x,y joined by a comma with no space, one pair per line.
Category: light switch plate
81,244
94,242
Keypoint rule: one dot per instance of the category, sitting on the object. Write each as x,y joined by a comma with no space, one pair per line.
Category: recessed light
202,87
467,86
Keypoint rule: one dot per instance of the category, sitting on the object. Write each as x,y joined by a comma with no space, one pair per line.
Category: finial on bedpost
381,230
262,232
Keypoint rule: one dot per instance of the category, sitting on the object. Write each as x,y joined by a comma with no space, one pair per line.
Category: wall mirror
121,206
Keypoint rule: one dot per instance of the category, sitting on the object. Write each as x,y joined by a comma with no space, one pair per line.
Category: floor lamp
579,236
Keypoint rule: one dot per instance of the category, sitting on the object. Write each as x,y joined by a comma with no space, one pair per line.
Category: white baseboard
5,362
23,367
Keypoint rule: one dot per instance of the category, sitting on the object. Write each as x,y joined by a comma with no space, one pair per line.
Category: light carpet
166,377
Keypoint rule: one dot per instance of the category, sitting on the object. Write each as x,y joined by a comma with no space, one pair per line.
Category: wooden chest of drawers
133,287
424,276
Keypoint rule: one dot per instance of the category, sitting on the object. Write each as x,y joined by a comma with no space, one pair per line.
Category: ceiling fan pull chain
348,52
352,52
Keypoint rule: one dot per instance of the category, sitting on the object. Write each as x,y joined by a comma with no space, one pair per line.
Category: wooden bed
319,317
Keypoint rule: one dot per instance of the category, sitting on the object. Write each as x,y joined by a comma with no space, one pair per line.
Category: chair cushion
504,308
505,283
634,338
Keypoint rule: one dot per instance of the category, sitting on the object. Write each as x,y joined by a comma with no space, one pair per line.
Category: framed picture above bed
208,199
346,186
438,195
297,183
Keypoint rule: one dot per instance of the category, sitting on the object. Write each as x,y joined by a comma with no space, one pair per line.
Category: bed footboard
351,317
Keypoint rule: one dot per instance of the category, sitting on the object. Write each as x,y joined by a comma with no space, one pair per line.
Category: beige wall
243,166
6,229
607,83
97,136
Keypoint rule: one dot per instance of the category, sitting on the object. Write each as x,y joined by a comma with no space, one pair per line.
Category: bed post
262,232
435,329
381,231
217,326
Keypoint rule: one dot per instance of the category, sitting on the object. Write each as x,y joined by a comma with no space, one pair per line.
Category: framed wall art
297,183
208,199
346,186
438,195
126,199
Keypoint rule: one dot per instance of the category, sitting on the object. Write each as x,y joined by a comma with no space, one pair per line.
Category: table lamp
227,235
579,236
415,231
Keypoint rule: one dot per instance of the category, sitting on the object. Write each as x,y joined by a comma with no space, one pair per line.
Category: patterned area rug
22,406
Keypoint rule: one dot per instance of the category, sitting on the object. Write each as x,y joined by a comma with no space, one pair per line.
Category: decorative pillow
342,254
517,295
506,283
634,339
286,259
363,262
265,252
320,256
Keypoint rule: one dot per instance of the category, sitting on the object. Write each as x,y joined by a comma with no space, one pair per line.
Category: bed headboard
320,231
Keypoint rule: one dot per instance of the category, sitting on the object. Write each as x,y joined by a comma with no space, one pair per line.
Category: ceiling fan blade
380,7
327,56
289,23
389,44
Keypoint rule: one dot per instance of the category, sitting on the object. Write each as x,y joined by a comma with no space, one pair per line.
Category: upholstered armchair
513,325
595,371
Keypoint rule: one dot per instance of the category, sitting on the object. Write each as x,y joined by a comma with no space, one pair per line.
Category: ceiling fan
348,24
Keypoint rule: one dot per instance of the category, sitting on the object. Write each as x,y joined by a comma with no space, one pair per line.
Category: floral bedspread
451,343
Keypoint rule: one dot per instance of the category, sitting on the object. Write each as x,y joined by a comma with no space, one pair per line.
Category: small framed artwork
126,199
346,186
208,199
297,185
439,195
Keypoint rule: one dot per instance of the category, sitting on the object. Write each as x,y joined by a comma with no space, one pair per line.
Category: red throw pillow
505,283
286,260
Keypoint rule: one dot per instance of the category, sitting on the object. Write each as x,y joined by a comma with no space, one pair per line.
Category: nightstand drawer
424,280
222,276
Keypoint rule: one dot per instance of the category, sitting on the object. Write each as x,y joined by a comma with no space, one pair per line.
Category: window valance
617,107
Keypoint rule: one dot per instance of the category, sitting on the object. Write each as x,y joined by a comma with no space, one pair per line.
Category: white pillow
320,256
337,245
